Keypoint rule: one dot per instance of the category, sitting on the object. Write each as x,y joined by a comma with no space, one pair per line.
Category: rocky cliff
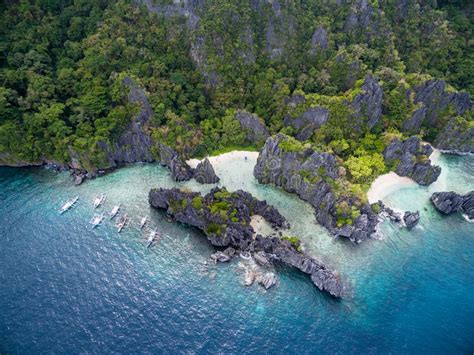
411,158
135,142
457,137
254,127
224,217
434,100
314,177
367,105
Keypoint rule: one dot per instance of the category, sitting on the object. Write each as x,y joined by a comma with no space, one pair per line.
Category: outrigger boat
143,222
114,211
97,219
122,222
153,235
99,200
68,204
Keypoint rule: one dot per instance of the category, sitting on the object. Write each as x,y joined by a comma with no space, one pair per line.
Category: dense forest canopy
63,64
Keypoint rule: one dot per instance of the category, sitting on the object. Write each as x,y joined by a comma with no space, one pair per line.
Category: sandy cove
386,184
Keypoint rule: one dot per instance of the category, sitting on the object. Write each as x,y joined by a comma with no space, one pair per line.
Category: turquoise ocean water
65,288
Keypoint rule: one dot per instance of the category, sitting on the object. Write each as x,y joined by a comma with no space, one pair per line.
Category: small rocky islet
450,202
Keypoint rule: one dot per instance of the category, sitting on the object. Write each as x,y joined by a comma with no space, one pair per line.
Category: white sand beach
260,225
225,158
386,184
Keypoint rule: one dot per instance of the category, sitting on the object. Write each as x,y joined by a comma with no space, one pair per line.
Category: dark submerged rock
204,173
451,202
411,158
224,218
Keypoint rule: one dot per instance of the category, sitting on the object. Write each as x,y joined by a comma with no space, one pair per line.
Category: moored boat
99,200
153,235
114,211
68,205
97,219
122,222
143,222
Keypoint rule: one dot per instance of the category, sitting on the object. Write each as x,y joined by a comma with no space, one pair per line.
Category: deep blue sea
65,288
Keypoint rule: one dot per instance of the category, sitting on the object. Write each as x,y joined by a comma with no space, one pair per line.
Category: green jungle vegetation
62,64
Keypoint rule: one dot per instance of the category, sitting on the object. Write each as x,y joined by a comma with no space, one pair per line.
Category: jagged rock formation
411,219
267,280
411,158
457,137
204,173
312,175
255,129
451,202
180,170
434,100
389,213
368,104
307,123
225,217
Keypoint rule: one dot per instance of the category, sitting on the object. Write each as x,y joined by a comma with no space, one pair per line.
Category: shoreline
388,183
224,158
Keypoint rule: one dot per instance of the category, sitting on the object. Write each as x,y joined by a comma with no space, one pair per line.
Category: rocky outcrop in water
224,217
254,127
411,219
387,212
267,280
180,170
368,104
411,158
434,100
204,173
312,176
451,202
